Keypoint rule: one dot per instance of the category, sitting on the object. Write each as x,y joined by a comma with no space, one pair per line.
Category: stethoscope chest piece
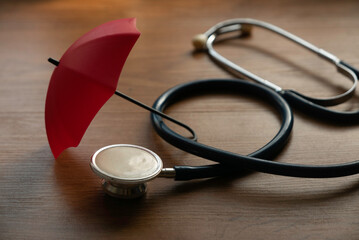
125,169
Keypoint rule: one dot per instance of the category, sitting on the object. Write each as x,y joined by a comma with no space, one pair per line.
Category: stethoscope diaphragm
125,169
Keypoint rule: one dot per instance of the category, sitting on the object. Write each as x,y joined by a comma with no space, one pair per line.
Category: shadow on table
82,192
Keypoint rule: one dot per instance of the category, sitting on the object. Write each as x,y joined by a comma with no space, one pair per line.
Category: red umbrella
84,79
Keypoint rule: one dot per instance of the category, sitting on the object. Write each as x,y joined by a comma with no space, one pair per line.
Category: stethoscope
125,169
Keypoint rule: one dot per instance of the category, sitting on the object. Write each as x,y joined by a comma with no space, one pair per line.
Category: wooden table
43,198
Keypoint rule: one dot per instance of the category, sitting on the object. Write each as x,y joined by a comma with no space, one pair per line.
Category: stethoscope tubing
299,102
179,92
231,162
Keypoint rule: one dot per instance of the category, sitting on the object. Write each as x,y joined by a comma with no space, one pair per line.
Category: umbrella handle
152,110
138,103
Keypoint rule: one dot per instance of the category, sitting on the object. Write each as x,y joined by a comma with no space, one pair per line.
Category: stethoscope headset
230,163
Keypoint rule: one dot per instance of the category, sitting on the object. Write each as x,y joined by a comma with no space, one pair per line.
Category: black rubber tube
297,101
233,160
318,105
180,92
356,71
311,107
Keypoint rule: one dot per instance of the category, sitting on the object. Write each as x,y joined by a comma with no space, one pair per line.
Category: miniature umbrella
85,78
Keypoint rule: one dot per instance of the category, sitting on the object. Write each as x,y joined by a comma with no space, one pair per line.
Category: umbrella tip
53,61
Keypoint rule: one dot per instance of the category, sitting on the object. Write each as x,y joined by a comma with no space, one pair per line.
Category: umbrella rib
152,110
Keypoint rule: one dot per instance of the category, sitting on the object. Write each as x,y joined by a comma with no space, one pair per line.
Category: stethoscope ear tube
351,68
236,25
316,108
300,102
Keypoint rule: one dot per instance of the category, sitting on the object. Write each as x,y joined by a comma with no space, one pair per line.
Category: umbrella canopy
85,78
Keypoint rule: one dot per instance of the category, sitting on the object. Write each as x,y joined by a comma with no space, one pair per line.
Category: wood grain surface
43,198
